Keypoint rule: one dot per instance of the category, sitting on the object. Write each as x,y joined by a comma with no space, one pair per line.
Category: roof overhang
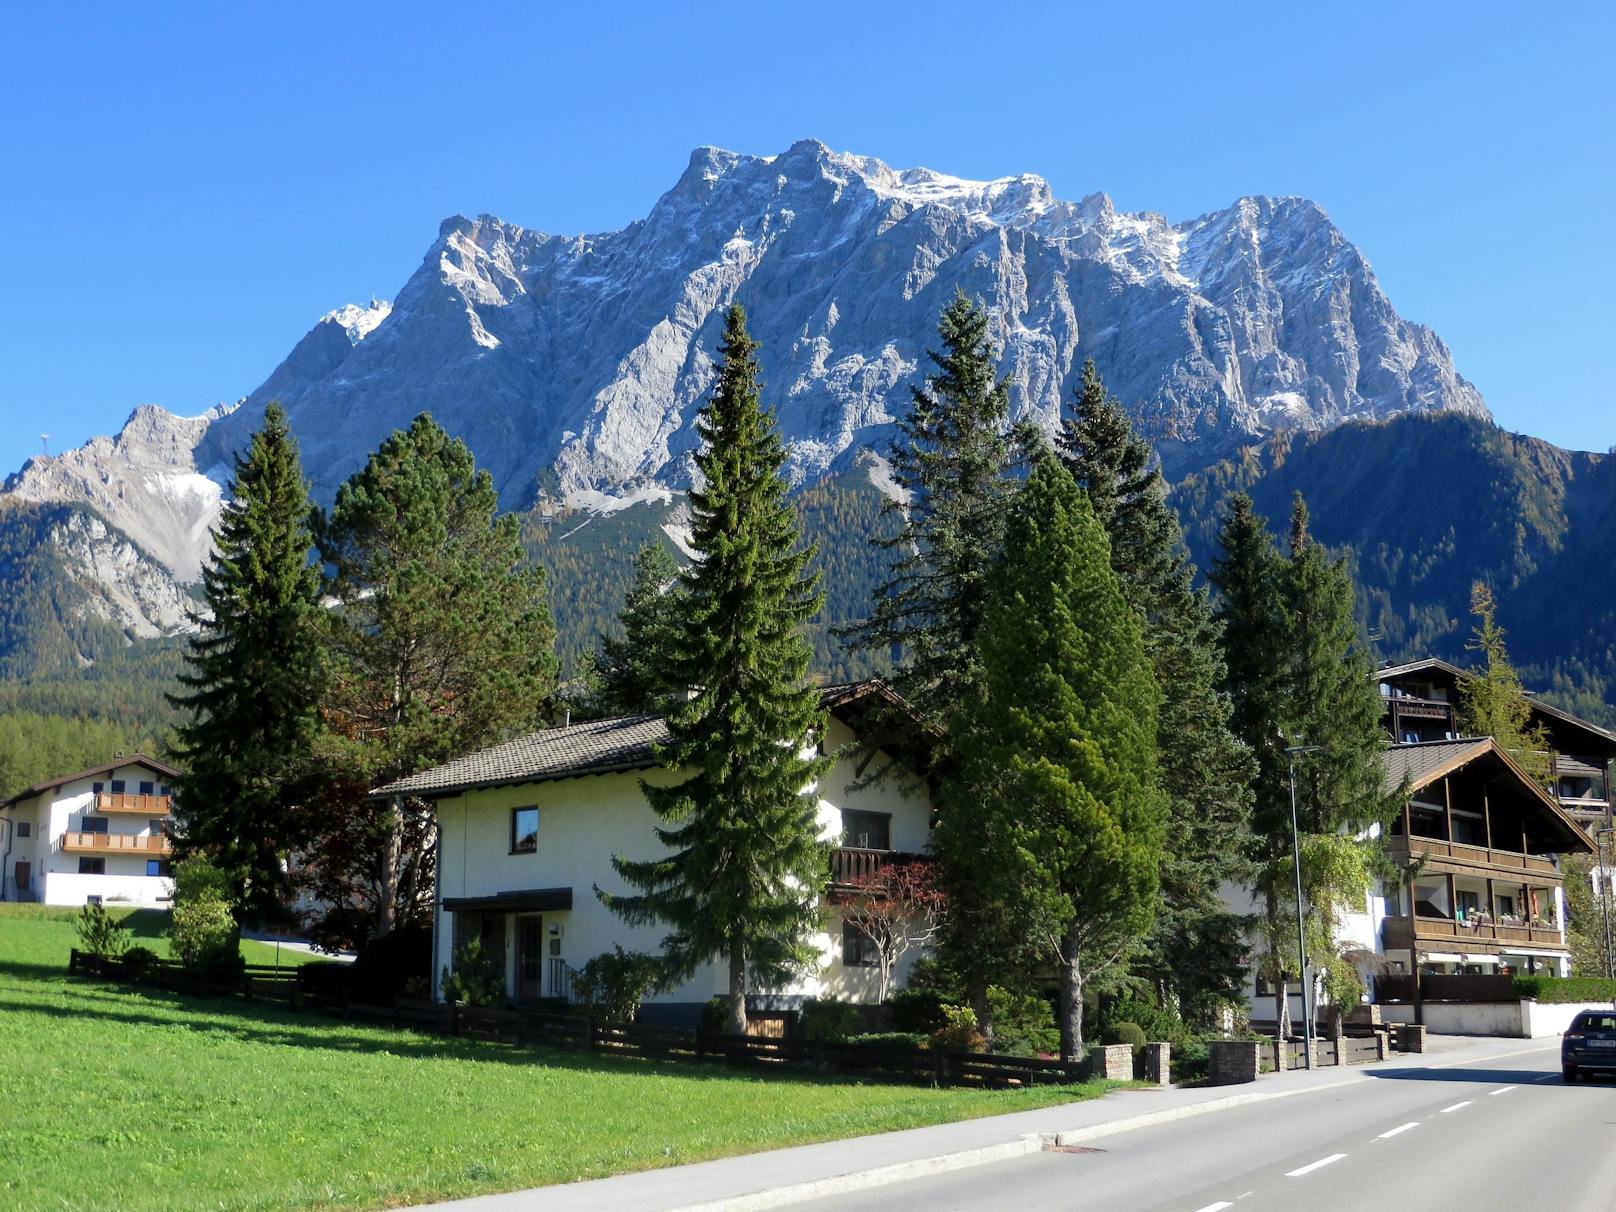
1487,747
523,900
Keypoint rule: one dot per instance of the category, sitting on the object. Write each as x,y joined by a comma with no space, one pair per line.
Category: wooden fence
1342,1050
528,1028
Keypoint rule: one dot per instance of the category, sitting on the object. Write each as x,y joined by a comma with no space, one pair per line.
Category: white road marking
1505,1089
1312,1166
1217,1207
1397,1131
1547,1077
1456,1106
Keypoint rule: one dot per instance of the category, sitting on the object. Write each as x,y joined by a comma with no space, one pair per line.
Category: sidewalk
781,1177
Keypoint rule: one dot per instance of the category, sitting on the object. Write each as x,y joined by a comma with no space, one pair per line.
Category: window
97,788
867,830
156,826
92,824
118,786
92,866
147,788
25,828
858,948
158,867
524,830
163,789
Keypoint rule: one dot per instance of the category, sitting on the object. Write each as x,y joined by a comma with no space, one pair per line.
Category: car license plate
1602,1043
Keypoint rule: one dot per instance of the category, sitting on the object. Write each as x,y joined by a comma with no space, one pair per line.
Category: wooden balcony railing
141,805
853,865
1401,848
1398,934
104,842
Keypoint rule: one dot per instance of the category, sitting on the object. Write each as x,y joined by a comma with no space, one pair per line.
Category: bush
325,978
617,981
828,1019
917,1010
197,879
476,979
1566,989
715,1016
1023,1023
958,1032
1131,1034
139,961
100,932
888,1039
1159,1025
202,932
384,969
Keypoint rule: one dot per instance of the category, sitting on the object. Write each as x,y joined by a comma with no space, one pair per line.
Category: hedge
1566,989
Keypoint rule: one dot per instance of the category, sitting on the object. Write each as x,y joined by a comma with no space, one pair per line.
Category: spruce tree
745,865
442,640
1194,956
254,677
952,463
633,667
1492,702
1058,752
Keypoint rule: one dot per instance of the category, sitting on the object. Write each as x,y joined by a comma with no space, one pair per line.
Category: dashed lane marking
1398,1130
1312,1166
1505,1089
1217,1207
1457,1106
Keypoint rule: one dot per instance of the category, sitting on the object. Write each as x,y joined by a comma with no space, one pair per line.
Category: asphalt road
1506,1133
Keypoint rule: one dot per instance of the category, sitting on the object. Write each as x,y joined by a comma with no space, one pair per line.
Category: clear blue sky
186,189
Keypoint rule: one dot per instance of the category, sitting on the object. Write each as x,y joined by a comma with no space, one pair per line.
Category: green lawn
118,1099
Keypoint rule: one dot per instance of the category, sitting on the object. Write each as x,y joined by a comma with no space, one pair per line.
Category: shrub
476,979
715,1015
917,1010
196,878
958,1032
325,978
202,932
617,981
1023,1023
828,1019
888,1039
1159,1025
1131,1034
1566,989
386,966
100,932
139,961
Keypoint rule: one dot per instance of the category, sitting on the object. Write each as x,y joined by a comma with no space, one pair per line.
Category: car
1589,1043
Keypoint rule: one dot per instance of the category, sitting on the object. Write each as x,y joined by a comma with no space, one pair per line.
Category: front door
529,958
25,873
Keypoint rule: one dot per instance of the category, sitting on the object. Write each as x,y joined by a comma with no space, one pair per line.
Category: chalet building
527,831
97,835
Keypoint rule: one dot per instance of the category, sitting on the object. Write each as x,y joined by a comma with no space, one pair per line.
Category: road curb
943,1163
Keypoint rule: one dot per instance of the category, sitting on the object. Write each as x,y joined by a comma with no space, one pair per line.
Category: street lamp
1301,942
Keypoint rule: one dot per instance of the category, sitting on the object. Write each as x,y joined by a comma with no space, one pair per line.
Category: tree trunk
387,911
1071,997
976,993
735,1020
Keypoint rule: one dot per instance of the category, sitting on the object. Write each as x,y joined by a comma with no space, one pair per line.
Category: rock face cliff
574,366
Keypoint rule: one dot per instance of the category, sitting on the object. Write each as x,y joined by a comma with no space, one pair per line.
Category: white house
95,835
527,831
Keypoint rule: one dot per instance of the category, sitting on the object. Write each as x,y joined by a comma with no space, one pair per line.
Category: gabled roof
596,747
1421,666
1424,762
133,759
1438,665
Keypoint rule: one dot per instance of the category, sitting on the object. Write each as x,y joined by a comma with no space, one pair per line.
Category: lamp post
1301,942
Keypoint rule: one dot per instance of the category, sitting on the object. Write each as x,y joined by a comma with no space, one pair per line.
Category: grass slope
118,1099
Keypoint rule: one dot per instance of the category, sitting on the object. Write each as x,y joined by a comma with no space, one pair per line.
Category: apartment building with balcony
98,834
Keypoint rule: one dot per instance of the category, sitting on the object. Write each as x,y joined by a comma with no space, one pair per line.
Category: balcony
1411,708
107,843
851,866
1401,849
137,805
1399,934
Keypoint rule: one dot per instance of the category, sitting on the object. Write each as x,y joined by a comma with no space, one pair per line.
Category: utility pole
1301,940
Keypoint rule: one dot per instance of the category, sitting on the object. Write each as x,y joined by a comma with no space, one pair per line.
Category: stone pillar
1411,1037
1113,1062
1381,1045
1158,1064
1232,1062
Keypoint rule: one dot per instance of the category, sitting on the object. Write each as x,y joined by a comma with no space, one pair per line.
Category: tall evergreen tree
634,667
1194,955
255,677
952,463
1059,750
745,865
1493,702
442,638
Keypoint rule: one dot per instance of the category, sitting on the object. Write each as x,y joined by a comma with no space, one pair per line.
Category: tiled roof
1428,760
133,759
598,747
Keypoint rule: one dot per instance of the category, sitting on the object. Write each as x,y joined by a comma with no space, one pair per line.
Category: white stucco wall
1511,1020
584,821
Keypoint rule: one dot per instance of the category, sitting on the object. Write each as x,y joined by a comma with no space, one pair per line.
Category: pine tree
442,639
634,667
745,866
1059,751
952,463
255,677
1493,702
1194,955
